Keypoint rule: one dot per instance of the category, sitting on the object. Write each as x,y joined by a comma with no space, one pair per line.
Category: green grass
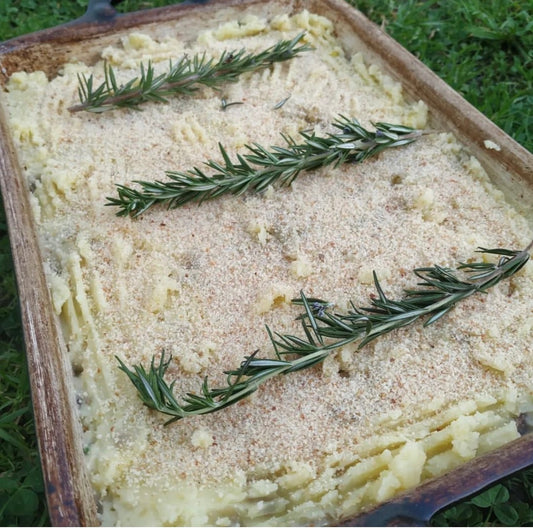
482,48
21,489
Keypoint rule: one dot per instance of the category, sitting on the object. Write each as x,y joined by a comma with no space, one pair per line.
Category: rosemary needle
259,167
324,331
182,77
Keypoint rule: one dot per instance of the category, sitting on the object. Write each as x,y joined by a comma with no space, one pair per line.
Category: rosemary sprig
259,167
324,331
182,77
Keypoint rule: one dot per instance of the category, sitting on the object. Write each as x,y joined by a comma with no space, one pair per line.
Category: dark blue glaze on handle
98,11
101,11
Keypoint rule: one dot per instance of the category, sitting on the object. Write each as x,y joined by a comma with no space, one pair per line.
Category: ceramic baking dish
70,497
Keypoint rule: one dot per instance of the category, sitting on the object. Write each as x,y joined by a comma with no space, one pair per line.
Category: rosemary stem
116,100
181,78
258,167
325,331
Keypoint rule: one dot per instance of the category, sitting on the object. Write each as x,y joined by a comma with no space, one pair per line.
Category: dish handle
101,11
98,11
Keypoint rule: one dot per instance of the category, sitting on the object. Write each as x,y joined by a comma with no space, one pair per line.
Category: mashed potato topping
201,282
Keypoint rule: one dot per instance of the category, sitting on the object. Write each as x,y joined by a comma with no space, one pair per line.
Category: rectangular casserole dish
69,493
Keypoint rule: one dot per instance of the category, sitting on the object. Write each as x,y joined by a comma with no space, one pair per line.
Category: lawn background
482,48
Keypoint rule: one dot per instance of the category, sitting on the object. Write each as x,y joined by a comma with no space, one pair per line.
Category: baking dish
69,494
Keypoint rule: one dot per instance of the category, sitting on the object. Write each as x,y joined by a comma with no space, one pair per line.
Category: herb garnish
278,105
182,77
259,167
224,103
324,331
